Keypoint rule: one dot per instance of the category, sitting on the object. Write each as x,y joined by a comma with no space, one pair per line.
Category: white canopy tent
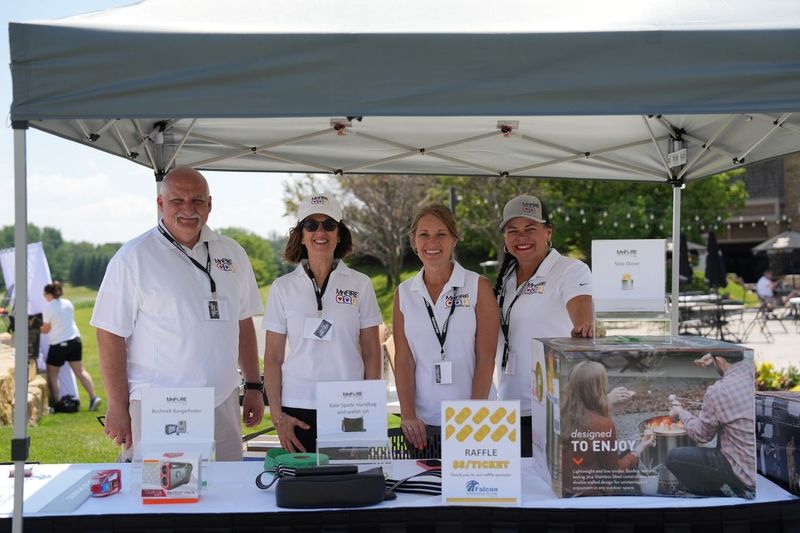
588,90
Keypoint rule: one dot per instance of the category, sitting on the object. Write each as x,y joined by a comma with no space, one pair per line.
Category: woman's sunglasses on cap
328,224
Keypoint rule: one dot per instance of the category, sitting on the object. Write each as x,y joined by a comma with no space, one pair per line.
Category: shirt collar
548,263
456,279
340,269
206,234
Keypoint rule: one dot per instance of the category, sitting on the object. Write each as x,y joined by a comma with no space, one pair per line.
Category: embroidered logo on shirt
534,288
223,263
462,300
346,296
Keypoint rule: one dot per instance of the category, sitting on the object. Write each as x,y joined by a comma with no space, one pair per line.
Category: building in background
773,206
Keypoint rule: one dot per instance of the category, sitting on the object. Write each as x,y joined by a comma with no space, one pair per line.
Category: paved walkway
783,349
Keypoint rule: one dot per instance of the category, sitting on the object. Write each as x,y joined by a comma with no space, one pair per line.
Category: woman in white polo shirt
541,294
445,328
58,321
321,320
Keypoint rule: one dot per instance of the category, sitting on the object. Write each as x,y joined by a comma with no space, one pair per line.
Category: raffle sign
481,453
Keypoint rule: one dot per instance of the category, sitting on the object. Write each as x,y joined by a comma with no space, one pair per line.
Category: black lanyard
319,292
441,335
505,319
206,270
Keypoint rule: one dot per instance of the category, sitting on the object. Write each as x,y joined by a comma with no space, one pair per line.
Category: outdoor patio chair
760,320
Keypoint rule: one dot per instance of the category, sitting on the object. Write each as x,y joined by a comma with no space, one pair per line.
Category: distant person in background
58,320
765,289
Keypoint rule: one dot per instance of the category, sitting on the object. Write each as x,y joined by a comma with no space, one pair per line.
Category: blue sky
92,196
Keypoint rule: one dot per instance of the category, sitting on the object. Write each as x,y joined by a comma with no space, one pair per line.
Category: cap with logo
322,203
525,206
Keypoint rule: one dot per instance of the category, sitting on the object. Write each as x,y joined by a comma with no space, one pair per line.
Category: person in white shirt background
766,287
445,329
321,322
58,320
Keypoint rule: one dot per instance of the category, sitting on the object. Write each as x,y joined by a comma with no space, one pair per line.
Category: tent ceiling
590,90
603,147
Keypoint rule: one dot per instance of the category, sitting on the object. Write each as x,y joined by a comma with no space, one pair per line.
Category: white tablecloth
231,489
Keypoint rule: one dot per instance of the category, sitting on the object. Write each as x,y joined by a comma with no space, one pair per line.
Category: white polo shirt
540,311
155,298
459,346
60,314
349,302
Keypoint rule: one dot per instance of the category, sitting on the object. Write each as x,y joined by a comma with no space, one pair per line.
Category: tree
479,206
586,210
583,210
259,251
381,209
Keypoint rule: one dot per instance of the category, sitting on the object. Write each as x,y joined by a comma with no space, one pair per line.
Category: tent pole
676,235
20,444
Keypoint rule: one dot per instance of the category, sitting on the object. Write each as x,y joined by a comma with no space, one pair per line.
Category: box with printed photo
637,416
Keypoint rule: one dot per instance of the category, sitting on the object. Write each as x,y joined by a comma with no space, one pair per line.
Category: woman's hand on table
285,425
415,432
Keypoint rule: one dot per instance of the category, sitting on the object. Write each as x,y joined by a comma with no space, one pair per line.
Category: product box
171,477
637,416
778,437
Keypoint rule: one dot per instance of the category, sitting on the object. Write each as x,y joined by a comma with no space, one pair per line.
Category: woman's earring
549,243
505,248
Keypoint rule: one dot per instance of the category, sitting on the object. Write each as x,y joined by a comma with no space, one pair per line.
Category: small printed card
181,418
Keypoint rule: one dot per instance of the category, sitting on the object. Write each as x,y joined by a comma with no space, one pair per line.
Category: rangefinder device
175,429
175,474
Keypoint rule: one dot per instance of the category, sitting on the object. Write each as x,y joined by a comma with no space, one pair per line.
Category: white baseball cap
525,206
319,203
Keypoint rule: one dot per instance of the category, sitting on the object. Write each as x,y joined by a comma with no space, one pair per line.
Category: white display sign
481,453
351,410
629,275
177,419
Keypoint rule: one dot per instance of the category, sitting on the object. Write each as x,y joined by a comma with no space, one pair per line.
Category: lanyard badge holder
214,308
508,362
442,369
318,328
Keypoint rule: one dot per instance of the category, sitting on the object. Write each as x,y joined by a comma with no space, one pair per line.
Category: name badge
319,329
216,310
511,364
443,372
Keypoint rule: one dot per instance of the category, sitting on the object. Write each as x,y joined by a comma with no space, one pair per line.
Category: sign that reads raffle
481,453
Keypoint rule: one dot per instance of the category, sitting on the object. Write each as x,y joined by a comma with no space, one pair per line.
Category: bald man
175,310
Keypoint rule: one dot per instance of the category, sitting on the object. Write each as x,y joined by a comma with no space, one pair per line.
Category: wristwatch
253,385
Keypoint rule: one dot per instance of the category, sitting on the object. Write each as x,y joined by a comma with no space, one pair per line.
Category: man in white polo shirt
175,310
